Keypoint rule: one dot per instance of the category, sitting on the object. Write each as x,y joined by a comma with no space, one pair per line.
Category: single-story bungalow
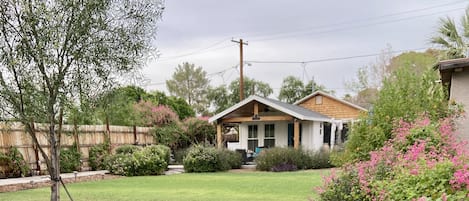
316,121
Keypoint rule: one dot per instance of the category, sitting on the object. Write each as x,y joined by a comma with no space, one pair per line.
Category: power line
314,32
330,59
358,20
198,51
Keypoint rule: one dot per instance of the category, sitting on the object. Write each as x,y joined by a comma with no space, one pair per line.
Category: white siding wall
318,137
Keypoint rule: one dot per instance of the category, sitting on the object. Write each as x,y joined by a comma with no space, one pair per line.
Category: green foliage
171,135
19,165
164,152
288,159
146,161
346,187
177,104
191,84
405,95
229,159
293,89
97,155
12,164
127,149
178,135
453,39
210,159
223,97
201,159
179,155
199,130
70,159
430,183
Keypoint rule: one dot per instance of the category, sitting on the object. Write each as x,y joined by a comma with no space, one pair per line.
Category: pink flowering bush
423,161
151,115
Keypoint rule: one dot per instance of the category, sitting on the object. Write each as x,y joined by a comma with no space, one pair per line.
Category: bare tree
55,51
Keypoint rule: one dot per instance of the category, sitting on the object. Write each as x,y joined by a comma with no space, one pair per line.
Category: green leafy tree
223,97
190,83
293,89
453,39
178,104
251,87
116,106
53,52
405,95
219,98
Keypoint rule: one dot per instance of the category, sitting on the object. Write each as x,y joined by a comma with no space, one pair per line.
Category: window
318,100
269,136
253,142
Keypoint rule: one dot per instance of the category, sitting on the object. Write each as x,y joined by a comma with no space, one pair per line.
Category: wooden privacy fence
86,136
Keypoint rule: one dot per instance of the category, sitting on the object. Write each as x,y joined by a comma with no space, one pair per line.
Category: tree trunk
55,164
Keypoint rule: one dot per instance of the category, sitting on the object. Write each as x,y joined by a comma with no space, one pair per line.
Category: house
342,112
454,74
264,122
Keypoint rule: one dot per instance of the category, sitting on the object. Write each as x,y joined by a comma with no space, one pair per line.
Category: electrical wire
330,59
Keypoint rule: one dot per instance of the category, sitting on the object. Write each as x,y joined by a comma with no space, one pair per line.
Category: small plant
97,155
282,157
70,159
127,149
19,166
179,155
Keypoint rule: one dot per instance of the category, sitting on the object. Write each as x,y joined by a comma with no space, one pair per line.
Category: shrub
229,159
320,159
201,159
145,161
179,155
70,159
164,152
285,159
127,149
424,161
404,95
97,155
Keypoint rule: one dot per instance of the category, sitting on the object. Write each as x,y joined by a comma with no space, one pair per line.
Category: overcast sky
200,32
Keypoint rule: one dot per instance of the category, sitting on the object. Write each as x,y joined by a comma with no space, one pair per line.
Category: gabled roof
293,110
331,97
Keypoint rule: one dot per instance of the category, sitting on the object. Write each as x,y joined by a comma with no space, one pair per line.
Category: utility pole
241,62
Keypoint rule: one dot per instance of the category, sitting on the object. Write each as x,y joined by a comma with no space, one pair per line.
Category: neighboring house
455,75
264,122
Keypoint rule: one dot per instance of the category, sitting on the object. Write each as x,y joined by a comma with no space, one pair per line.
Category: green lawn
204,187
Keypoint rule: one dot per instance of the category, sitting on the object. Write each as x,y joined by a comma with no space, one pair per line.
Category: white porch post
333,128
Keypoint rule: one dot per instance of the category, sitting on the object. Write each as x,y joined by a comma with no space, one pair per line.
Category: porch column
333,128
219,136
296,134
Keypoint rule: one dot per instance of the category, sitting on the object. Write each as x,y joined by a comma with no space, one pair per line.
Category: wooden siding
332,108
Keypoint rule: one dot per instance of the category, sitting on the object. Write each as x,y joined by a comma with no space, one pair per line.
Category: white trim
329,96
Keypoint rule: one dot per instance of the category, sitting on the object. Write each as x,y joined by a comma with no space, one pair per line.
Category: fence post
135,135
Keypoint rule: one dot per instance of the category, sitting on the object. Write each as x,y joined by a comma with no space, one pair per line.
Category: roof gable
293,110
316,93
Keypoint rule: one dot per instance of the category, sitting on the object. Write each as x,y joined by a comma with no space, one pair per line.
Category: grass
208,186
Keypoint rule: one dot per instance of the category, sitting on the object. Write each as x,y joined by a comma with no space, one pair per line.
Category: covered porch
261,122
